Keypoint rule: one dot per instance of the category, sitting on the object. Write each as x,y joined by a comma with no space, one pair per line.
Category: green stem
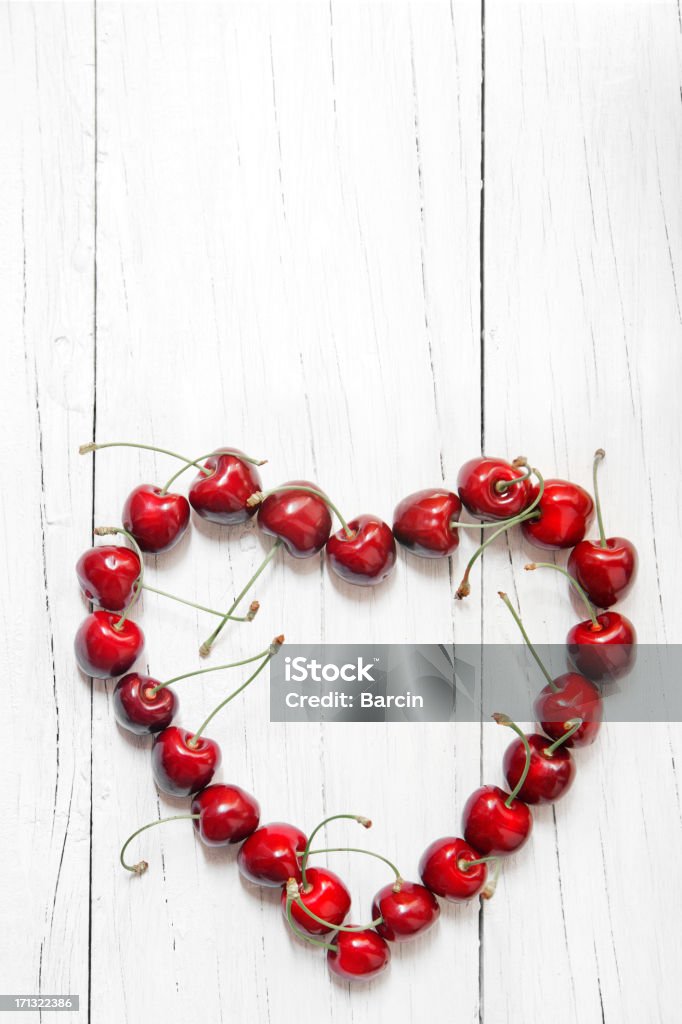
141,867
464,865
303,935
598,456
502,485
92,446
369,853
209,472
574,583
531,648
260,496
190,604
203,671
575,724
205,648
505,720
337,927
365,822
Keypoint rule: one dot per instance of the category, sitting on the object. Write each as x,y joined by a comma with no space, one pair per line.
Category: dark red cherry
228,814
104,651
368,557
605,573
564,513
358,956
406,913
326,895
106,575
270,855
577,697
180,767
606,653
493,828
443,870
481,488
222,497
426,523
138,709
301,520
549,775
157,521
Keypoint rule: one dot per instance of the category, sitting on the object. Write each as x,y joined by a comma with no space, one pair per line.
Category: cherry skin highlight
443,870
577,697
107,575
157,521
564,513
605,573
326,895
228,814
425,523
549,776
270,856
140,711
606,653
102,650
179,768
493,828
406,913
222,496
366,559
478,482
301,520
359,956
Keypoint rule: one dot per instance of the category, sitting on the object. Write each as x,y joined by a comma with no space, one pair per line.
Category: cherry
494,489
270,855
494,826
182,762
571,696
358,955
407,910
551,772
368,556
107,575
603,652
157,520
107,644
453,869
297,513
222,496
138,708
325,895
425,523
563,515
224,814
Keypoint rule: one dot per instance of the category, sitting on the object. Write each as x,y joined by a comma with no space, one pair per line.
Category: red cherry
408,912
138,709
424,523
549,775
368,557
493,828
180,768
443,870
228,814
106,575
480,485
270,855
300,519
605,573
222,497
564,513
326,895
577,697
358,956
104,651
157,521
605,653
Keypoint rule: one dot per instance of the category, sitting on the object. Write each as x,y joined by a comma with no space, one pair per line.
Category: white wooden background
263,225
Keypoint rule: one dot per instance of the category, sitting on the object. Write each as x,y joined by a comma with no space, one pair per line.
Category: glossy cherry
605,573
106,575
102,649
227,814
482,485
222,496
367,557
425,522
358,956
301,520
493,828
140,710
563,515
604,653
325,895
574,697
270,856
181,768
443,869
157,520
550,774
411,910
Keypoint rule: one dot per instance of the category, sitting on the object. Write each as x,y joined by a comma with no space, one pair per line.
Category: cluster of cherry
553,514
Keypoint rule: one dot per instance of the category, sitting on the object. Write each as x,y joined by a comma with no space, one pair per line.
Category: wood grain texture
294,254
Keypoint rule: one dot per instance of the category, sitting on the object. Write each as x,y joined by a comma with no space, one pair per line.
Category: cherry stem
574,583
105,531
93,446
141,867
272,651
506,720
203,671
260,496
335,927
529,645
365,822
200,607
598,456
575,724
464,865
205,648
502,485
464,587
298,931
209,472
369,853
489,890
